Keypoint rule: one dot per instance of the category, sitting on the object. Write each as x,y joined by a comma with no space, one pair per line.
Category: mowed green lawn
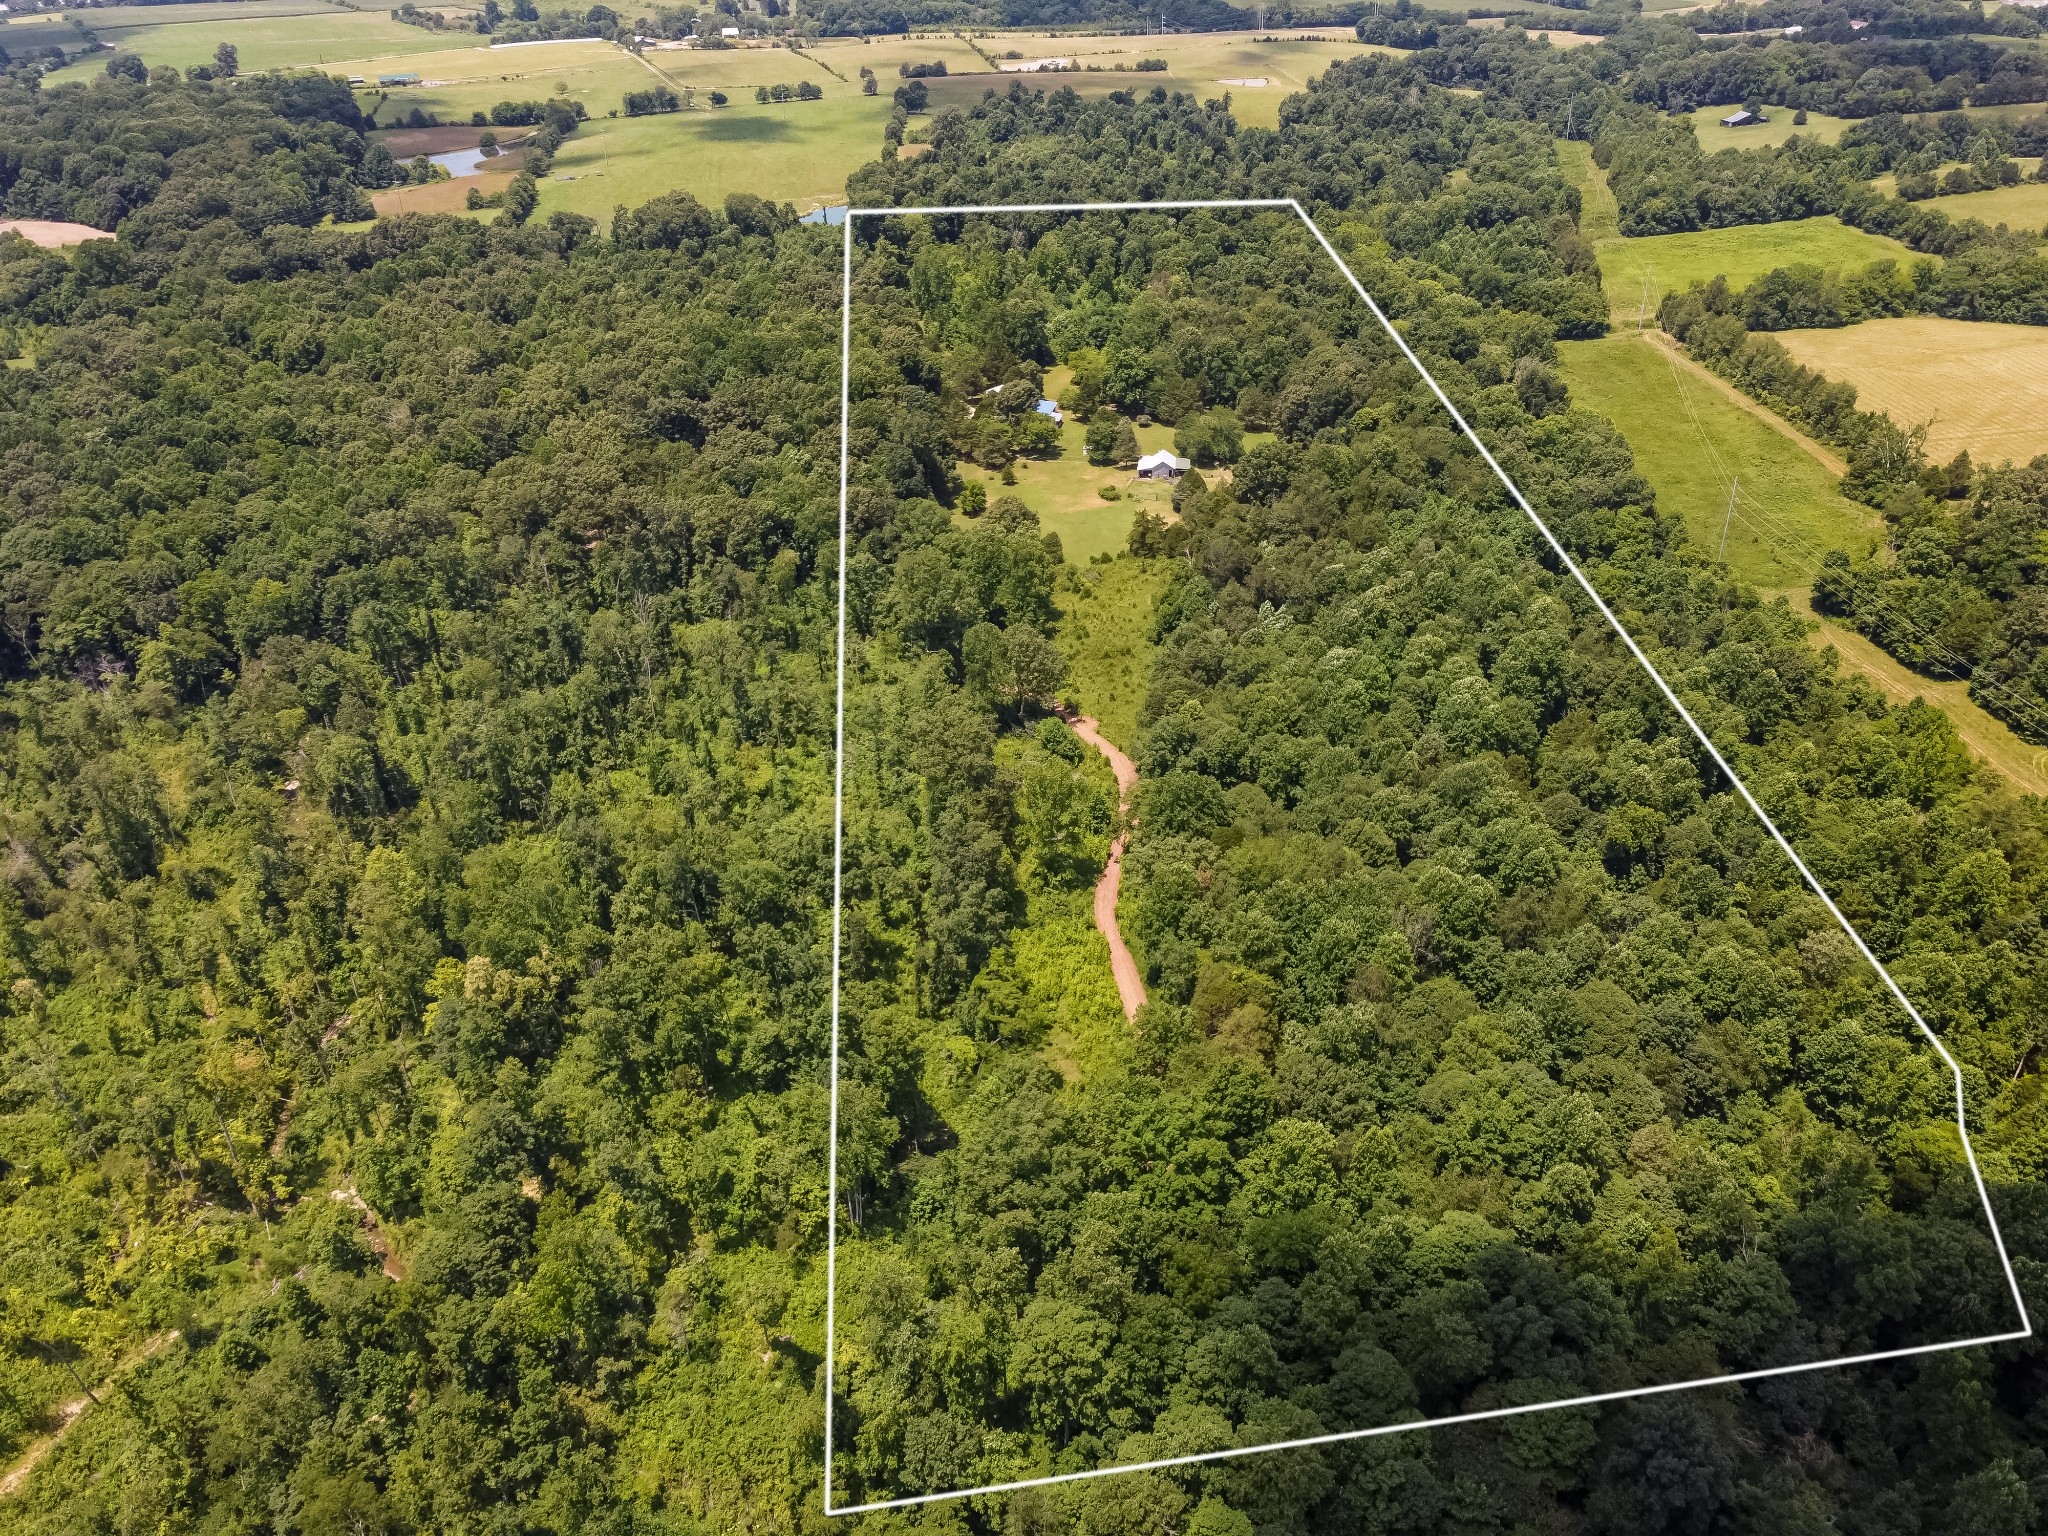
800,152
1065,492
1691,441
326,37
1641,271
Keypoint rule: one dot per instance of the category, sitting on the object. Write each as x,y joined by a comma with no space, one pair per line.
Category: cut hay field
1706,127
1741,254
111,18
440,196
1691,441
266,39
800,152
1201,64
1980,386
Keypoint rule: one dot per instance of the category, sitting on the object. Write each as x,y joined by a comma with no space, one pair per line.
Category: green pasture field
324,38
1197,63
884,54
1706,127
2010,111
1740,254
23,35
1599,215
741,69
120,18
800,152
1979,385
599,75
2022,207
462,81
1690,441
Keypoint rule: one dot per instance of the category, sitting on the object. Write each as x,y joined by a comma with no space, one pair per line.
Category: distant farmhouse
1742,117
1050,408
1161,466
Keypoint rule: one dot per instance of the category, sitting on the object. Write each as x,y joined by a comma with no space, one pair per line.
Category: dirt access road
1129,986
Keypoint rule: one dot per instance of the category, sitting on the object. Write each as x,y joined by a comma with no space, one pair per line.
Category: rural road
1129,986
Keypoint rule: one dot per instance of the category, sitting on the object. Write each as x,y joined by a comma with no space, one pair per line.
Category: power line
1962,670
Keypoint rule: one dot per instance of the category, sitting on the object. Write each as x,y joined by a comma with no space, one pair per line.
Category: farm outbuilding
1161,466
1050,408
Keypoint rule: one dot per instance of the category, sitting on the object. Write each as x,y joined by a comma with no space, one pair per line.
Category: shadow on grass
745,129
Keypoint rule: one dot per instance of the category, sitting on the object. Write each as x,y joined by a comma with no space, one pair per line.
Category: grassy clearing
2024,766
600,74
2022,207
885,54
1557,37
1107,638
439,196
1741,254
1982,386
460,81
312,40
1599,214
1677,261
1064,963
1691,441
1706,126
23,35
800,152
1065,493
1198,63
1775,545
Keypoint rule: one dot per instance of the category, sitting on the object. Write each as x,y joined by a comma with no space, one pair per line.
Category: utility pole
1728,517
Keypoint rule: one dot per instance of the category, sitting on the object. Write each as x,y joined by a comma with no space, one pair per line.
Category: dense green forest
417,649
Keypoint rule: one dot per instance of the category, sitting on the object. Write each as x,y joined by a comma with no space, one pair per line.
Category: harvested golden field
438,196
1979,386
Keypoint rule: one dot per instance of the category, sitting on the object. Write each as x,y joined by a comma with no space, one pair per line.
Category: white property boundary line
2026,1328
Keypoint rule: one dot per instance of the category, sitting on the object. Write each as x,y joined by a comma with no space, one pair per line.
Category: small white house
1161,466
728,31
1740,118
1050,408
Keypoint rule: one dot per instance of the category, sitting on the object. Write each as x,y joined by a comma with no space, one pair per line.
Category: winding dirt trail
1130,987
69,1413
